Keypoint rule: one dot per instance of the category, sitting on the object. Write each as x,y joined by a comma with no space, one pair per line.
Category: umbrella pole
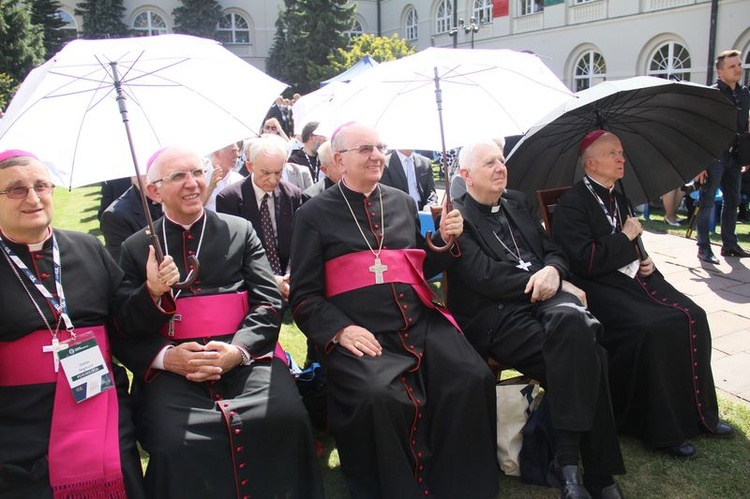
631,212
193,275
444,165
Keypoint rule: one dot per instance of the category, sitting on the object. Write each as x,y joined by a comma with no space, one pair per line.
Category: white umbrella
316,105
177,89
484,93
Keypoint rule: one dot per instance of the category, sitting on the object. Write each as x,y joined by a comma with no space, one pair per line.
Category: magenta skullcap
15,153
589,139
153,158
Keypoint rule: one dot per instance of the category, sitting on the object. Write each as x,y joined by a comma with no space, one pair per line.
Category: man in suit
411,173
125,216
268,202
331,171
508,293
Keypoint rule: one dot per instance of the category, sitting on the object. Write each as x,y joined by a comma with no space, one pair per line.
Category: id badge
84,367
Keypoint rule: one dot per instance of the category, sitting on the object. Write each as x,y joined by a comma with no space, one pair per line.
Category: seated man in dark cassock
658,340
331,171
508,291
412,408
125,216
61,291
268,202
308,154
216,407
411,173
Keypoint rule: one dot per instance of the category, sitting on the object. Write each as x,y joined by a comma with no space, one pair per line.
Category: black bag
743,149
313,389
537,449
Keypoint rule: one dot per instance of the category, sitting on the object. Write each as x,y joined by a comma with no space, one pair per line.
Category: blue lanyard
60,306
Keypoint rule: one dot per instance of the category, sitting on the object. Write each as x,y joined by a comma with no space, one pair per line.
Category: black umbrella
669,130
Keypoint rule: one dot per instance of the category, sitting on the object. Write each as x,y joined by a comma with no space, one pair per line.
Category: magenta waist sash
349,272
208,316
84,444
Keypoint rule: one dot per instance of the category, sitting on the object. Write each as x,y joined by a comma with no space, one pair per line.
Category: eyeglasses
272,128
21,191
181,175
367,148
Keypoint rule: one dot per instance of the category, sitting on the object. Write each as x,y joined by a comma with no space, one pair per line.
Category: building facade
582,41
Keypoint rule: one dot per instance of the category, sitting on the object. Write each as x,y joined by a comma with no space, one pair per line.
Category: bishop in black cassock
412,406
658,340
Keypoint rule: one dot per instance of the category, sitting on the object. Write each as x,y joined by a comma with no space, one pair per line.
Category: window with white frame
530,7
411,26
672,61
149,23
482,11
591,69
444,17
355,30
233,29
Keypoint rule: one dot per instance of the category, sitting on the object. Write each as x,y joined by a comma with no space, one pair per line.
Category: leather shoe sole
708,257
738,252
684,450
722,430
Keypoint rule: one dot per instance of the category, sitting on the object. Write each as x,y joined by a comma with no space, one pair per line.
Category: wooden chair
547,199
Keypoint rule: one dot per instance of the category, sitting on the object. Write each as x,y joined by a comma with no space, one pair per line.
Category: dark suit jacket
239,199
124,217
394,176
317,188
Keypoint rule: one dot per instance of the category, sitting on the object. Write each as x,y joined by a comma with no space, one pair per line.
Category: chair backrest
547,199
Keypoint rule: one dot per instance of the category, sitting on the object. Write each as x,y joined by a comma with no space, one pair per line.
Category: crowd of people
327,229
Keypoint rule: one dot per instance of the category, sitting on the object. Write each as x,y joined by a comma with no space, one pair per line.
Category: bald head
177,180
604,160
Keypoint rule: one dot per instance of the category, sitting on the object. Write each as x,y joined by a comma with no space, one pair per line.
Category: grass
720,470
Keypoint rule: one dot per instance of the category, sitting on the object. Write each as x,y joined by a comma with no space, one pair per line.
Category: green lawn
720,470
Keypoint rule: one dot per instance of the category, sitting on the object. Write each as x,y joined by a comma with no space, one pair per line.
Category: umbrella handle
448,242
195,268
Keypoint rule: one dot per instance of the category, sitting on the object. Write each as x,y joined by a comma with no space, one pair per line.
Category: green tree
307,32
7,88
102,19
197,17
22,43
380,48
45,13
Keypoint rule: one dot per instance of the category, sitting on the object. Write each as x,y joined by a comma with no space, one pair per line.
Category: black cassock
419,420
246,434
658,340
94,291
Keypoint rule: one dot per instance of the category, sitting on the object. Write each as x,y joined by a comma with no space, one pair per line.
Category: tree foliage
307,32
7,88
21,41
45,13
197,17
380,48
102,19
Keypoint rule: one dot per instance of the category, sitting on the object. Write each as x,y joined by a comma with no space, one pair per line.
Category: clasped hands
200,363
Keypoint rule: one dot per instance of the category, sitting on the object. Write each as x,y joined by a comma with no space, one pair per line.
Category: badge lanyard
610,218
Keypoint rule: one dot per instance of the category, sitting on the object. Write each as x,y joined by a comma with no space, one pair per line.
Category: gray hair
267,144
467,155
325,155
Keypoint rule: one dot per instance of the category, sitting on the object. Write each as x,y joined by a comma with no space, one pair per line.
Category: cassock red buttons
239,448
242,466
237,431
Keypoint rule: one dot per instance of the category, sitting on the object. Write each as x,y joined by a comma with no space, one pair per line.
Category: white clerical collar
32,246
608,189
188,226
366,194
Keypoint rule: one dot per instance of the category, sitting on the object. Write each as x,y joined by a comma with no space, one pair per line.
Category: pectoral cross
378,270
523,265
175,317
55,347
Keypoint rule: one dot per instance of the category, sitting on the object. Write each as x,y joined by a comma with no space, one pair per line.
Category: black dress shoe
569,480
610,492
708,256
722,430
684,450
734,251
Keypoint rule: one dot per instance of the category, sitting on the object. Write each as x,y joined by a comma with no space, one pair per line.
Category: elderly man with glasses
217,409
413,405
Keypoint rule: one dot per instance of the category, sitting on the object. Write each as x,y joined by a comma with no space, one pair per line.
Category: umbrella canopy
360,67
178,89
483,93
669,130
316,105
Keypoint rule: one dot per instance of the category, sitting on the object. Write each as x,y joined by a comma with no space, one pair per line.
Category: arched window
149,23
356,29
70,30
671,60
482,11
444,17
233,29
411,27
590,70
527,7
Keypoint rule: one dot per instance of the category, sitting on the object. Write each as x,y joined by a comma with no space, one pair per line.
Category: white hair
467,156
267,144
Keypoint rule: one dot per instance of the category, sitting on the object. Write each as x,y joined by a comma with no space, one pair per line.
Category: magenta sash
84,444
208,316
352,271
